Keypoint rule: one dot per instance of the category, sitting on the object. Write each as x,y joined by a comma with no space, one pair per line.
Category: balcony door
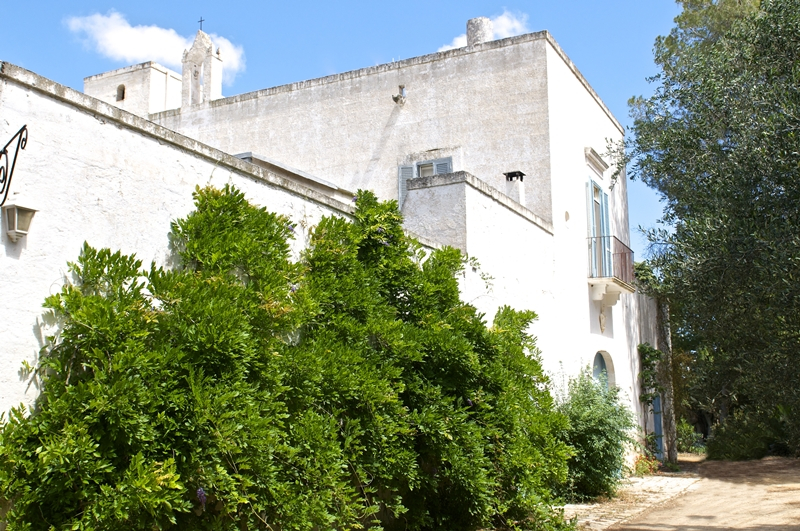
599,231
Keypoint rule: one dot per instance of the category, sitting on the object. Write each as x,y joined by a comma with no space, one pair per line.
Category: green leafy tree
700,24
245,390
718,140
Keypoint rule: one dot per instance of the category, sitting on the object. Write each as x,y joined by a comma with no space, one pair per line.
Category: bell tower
202,72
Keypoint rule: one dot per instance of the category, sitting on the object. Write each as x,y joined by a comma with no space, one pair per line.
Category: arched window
603,365
599,366
120,92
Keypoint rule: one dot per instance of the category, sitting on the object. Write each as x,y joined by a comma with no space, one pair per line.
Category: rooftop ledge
422,59
447,179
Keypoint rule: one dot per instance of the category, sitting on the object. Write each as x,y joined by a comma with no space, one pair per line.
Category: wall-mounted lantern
18,219
8,161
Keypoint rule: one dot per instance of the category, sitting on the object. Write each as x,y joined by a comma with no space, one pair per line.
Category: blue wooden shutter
590,226
442,166
403,175
607,264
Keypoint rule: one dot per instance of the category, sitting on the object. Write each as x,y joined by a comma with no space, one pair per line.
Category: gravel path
704,496
637,495
746,495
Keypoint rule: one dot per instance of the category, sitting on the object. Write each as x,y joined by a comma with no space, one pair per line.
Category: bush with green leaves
244,390
599,432
688,440
745,435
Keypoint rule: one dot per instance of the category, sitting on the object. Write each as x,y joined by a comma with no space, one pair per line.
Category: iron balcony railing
609,257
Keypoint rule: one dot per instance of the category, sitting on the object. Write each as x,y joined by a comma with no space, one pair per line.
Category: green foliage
646,279
645,465
688,440
648,373
349,389
599,432
700,24
747,436
719,141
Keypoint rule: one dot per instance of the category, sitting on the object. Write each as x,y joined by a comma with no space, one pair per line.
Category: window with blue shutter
427,168
443,166
404,174
599,226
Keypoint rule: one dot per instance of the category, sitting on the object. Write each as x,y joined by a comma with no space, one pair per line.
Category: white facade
104,176
453,123
141,89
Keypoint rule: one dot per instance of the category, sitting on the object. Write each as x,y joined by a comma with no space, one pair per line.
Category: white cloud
113,36
458,42
506,25
509,25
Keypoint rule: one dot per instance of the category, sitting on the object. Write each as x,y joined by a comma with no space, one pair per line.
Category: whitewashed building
495,149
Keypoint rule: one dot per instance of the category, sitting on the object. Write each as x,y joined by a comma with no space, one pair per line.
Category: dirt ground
750,495
636,495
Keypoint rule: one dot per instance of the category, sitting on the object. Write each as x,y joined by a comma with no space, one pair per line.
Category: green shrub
599,433
644,465
748,434
739,438
247,391
688,439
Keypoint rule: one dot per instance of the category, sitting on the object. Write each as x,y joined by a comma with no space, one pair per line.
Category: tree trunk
665,380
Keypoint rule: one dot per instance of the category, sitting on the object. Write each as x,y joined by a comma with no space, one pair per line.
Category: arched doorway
603,364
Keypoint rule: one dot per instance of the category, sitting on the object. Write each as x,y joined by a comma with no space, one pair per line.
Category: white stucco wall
149,88
511,244
578,120
491,100
104,176
517,253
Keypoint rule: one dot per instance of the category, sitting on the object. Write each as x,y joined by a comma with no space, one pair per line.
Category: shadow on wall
380,146
13,250
641,327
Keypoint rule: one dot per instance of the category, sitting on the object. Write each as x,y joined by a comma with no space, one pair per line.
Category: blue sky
281,42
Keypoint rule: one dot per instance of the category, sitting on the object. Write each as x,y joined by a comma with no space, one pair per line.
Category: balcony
610,269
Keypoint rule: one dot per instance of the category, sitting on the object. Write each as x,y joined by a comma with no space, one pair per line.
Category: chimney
479,30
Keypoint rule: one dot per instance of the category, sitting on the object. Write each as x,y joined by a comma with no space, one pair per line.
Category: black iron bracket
7,163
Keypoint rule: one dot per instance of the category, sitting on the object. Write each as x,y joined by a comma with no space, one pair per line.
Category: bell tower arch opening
202,72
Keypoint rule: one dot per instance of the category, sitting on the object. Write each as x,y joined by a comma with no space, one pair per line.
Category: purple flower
355,198
291,226
380,229
201,496
385,243
293,288
469,401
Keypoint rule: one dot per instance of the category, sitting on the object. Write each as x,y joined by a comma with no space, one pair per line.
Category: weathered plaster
102,175
149,88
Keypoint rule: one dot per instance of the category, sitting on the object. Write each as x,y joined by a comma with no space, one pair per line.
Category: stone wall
149,88
490,99
102,175
99,174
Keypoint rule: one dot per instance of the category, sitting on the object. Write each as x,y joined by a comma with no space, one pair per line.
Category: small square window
427,168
